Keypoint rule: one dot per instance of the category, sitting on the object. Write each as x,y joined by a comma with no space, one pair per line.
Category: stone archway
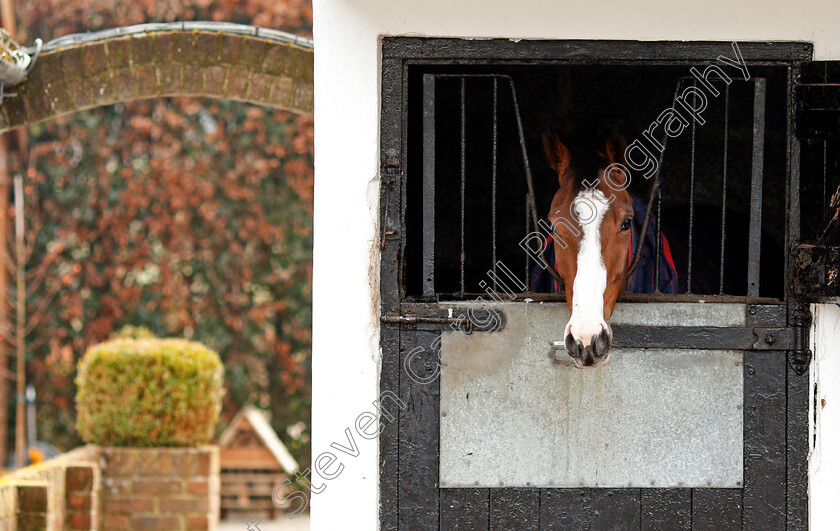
181,61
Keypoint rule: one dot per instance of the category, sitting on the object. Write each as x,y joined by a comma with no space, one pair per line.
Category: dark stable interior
579,97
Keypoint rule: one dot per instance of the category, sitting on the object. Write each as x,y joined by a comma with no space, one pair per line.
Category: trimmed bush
133,332
149,392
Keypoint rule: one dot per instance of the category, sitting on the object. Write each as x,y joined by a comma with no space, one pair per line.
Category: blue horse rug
642,279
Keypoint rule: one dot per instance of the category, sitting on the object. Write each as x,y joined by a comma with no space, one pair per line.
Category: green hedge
133,332
149,392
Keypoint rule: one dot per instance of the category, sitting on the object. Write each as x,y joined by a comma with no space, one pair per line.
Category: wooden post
5,325
7,16
20,333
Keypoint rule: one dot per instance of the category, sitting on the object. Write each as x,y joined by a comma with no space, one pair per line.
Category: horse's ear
614,148
558,155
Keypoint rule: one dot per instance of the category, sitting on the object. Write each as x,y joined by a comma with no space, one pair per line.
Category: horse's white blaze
587,317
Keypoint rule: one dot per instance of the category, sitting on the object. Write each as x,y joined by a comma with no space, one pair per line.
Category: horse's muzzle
596,353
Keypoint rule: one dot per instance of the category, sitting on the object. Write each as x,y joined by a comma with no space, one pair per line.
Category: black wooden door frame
775,408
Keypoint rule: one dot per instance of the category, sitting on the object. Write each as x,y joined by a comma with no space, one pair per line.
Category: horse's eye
625,225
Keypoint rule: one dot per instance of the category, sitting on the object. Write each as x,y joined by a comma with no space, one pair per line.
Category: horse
595,224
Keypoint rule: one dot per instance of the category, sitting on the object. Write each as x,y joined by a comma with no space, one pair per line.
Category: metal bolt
752,311
752,371
770,339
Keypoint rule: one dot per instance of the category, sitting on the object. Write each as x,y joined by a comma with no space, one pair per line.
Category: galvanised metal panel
650,418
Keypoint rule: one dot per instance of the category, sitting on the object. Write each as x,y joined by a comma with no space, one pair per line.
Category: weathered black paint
715,509
464,509
562,509
419,449
514,509
798,388
616,509
703,337
775,407
764,441
390,135
389,435
666,509
496,51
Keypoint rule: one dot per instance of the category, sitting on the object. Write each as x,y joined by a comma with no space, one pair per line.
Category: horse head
591,217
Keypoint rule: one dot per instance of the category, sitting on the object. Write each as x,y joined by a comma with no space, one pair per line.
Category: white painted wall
345,325
824,460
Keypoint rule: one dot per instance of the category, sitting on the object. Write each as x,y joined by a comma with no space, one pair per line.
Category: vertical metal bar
825,181
754,256
658,236
723,186
428,184
495,148
658,246
530,201
527,255
530,198
463,173
691,204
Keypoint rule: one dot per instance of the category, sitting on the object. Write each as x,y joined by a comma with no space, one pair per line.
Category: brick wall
34,498
81,497
32,513
167,63
160,488
93,488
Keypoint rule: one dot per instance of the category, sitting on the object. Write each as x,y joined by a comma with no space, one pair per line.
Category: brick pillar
81,493
32,507
160,488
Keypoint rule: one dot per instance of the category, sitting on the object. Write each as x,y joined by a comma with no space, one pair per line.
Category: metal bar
463,319
658,239
463,173
659,202
766,338
723,186
754,252
429,184
825,181
495,153
464,76
530,201
703,337
525,162
691,203
527,256
624,297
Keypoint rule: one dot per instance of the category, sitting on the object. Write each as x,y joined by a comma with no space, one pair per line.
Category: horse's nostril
573,346
602,343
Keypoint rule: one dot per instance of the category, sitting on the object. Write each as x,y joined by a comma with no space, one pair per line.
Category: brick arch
175,62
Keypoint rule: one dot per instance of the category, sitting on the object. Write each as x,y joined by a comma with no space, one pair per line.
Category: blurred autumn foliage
191,217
